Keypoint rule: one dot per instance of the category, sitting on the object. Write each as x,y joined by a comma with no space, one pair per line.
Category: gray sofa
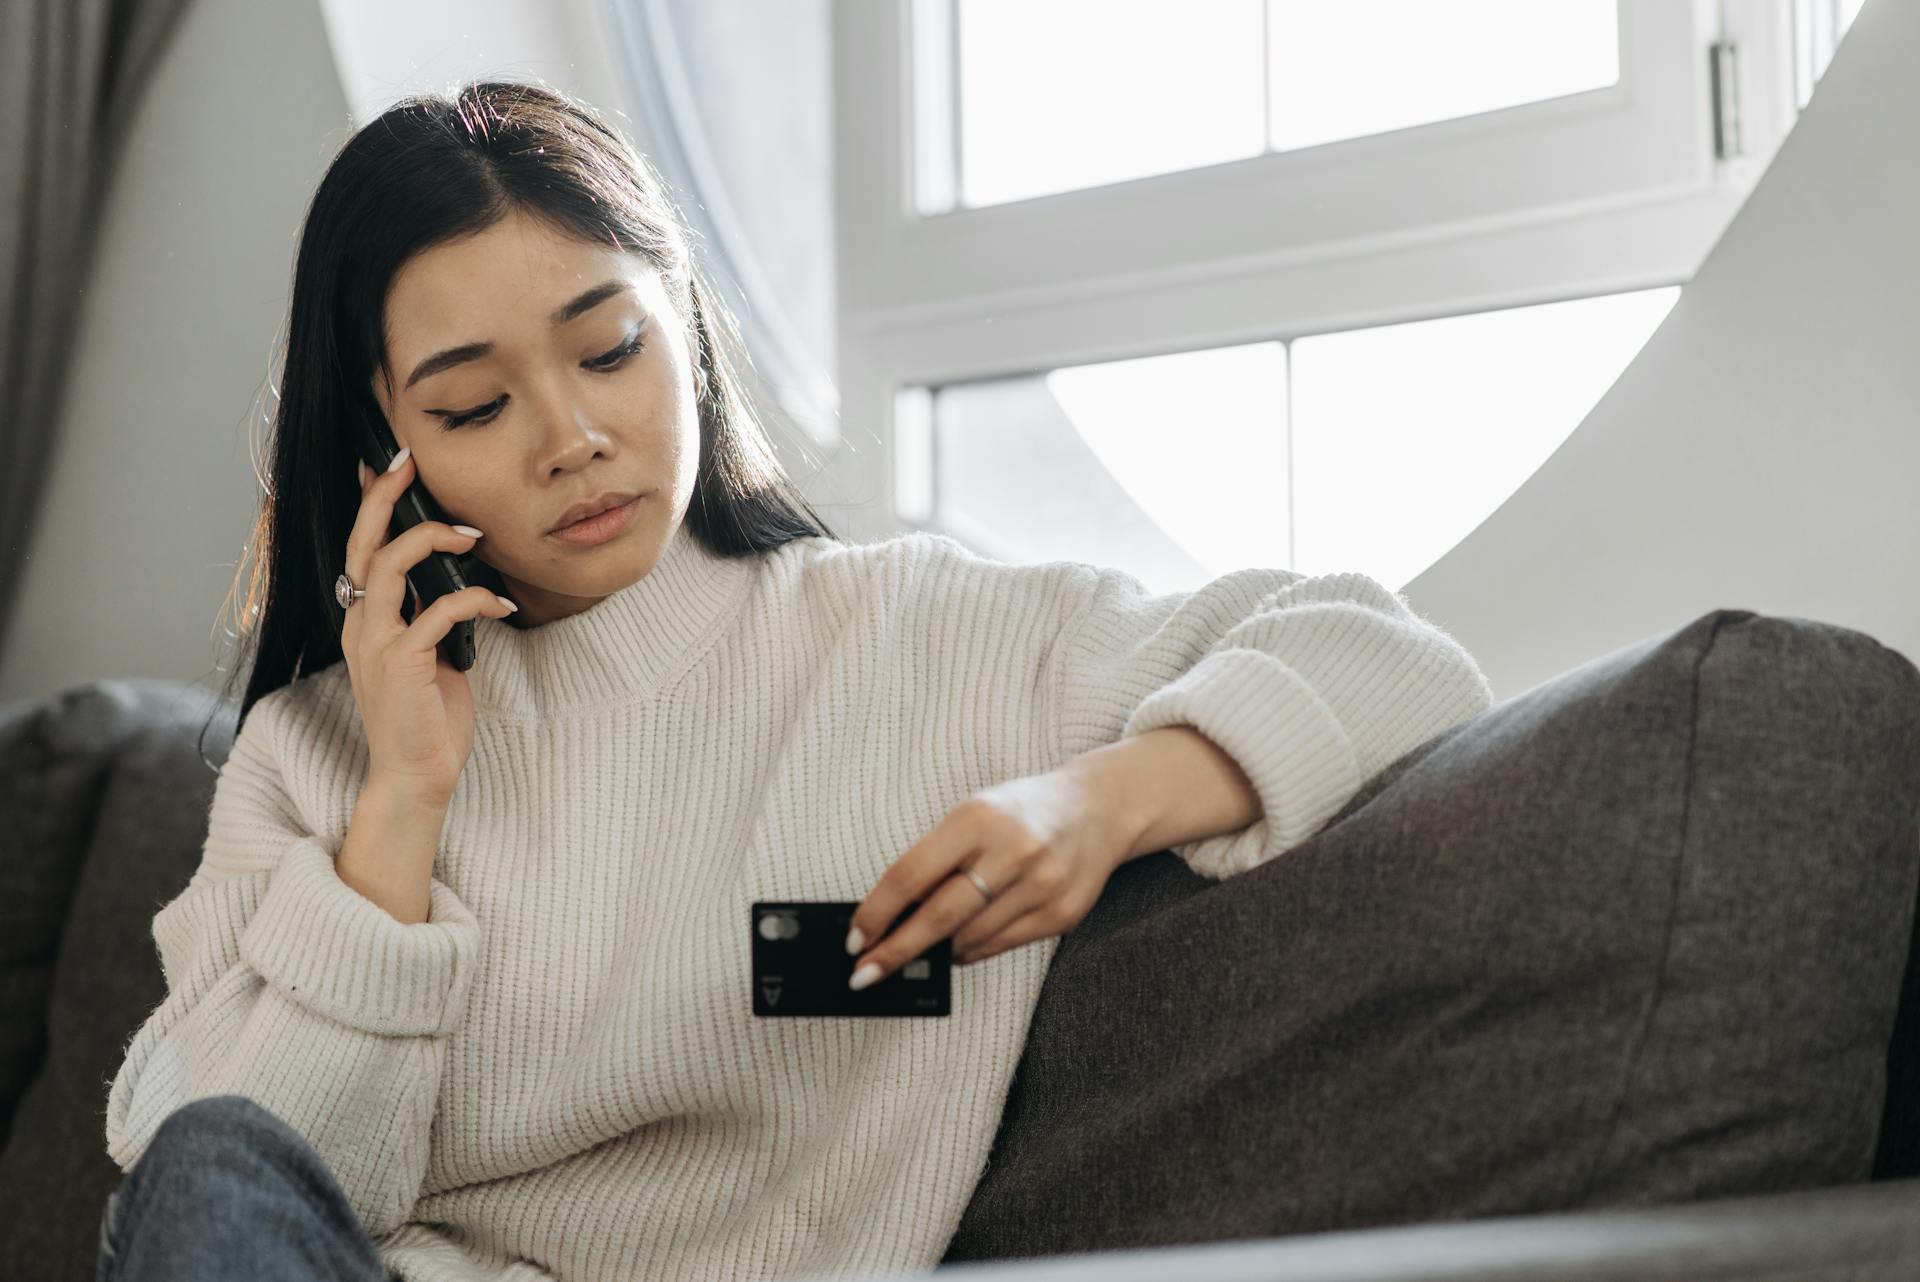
1616,980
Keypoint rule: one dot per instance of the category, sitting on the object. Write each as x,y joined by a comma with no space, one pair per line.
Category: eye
448,422
615,358
605,363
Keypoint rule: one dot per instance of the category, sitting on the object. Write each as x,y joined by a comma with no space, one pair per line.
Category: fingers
954,904
392,561
994,920
924,865
379,564
378,494
370,529
433,623
977,942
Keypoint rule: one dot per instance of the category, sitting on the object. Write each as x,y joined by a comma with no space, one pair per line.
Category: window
1055,95
1406,436
1818,28
1145,91
1332,75
1376,448
1093,314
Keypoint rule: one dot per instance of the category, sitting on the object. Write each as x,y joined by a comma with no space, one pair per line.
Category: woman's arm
287,985
1169,786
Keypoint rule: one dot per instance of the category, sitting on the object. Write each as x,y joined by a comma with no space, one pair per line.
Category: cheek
662,422
475,495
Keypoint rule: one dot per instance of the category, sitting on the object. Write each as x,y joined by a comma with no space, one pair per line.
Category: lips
594,506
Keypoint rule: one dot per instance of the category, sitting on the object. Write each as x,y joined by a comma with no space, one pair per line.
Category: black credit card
801,965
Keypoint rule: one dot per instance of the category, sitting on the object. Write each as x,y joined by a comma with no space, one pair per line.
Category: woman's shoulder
909,550
893,566
324,689
933,574
310,706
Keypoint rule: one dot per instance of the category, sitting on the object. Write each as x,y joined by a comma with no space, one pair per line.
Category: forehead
501,285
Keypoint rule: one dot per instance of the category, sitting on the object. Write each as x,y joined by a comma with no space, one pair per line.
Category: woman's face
552,428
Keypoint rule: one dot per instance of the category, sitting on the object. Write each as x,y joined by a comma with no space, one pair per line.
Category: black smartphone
439,572
801,965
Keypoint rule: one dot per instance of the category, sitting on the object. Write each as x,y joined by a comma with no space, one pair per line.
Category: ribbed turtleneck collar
636,641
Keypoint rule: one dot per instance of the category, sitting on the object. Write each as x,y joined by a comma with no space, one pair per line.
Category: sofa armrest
1860,1232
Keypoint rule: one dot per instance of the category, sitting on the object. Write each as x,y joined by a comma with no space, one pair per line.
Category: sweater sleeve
1312,684
286,985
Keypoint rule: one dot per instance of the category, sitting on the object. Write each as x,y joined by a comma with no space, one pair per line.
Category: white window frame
1609,190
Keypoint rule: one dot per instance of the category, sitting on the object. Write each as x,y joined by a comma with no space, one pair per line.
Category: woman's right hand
417,709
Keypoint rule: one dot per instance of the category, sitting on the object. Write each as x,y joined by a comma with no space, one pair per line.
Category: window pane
1056,95
1818,28
1357,67
1405,437
1172,467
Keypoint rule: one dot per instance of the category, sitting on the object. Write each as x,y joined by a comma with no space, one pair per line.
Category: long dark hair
433,169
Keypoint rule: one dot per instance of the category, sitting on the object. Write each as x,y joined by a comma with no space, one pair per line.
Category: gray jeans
227,1190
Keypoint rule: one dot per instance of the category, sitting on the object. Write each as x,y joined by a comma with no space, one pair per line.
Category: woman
460,988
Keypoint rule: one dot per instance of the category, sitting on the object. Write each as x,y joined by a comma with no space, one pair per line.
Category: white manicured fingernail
399,458
864,976
511,607
855,942
467,529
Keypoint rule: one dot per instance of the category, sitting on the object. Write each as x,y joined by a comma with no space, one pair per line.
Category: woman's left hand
1045,844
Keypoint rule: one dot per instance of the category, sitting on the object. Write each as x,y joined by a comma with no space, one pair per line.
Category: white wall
1762,450
153,488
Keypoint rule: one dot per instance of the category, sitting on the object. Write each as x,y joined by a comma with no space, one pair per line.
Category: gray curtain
71,74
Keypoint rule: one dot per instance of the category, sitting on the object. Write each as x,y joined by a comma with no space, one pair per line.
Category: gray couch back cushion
106,783
1635,936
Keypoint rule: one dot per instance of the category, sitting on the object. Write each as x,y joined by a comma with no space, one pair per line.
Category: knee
208,1132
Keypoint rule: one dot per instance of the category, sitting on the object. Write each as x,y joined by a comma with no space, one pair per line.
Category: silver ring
978,881
345,593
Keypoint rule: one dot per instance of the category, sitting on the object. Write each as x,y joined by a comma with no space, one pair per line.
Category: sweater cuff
334,951
1293,749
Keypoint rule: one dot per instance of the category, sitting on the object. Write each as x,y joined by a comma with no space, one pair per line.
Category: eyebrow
586,302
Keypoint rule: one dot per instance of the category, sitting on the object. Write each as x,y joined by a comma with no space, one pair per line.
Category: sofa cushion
1635,936
117,802
57,754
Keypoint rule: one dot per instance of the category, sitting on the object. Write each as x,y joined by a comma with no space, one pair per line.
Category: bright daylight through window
1374,449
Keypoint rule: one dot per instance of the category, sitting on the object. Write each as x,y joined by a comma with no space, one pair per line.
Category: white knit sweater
559,1074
